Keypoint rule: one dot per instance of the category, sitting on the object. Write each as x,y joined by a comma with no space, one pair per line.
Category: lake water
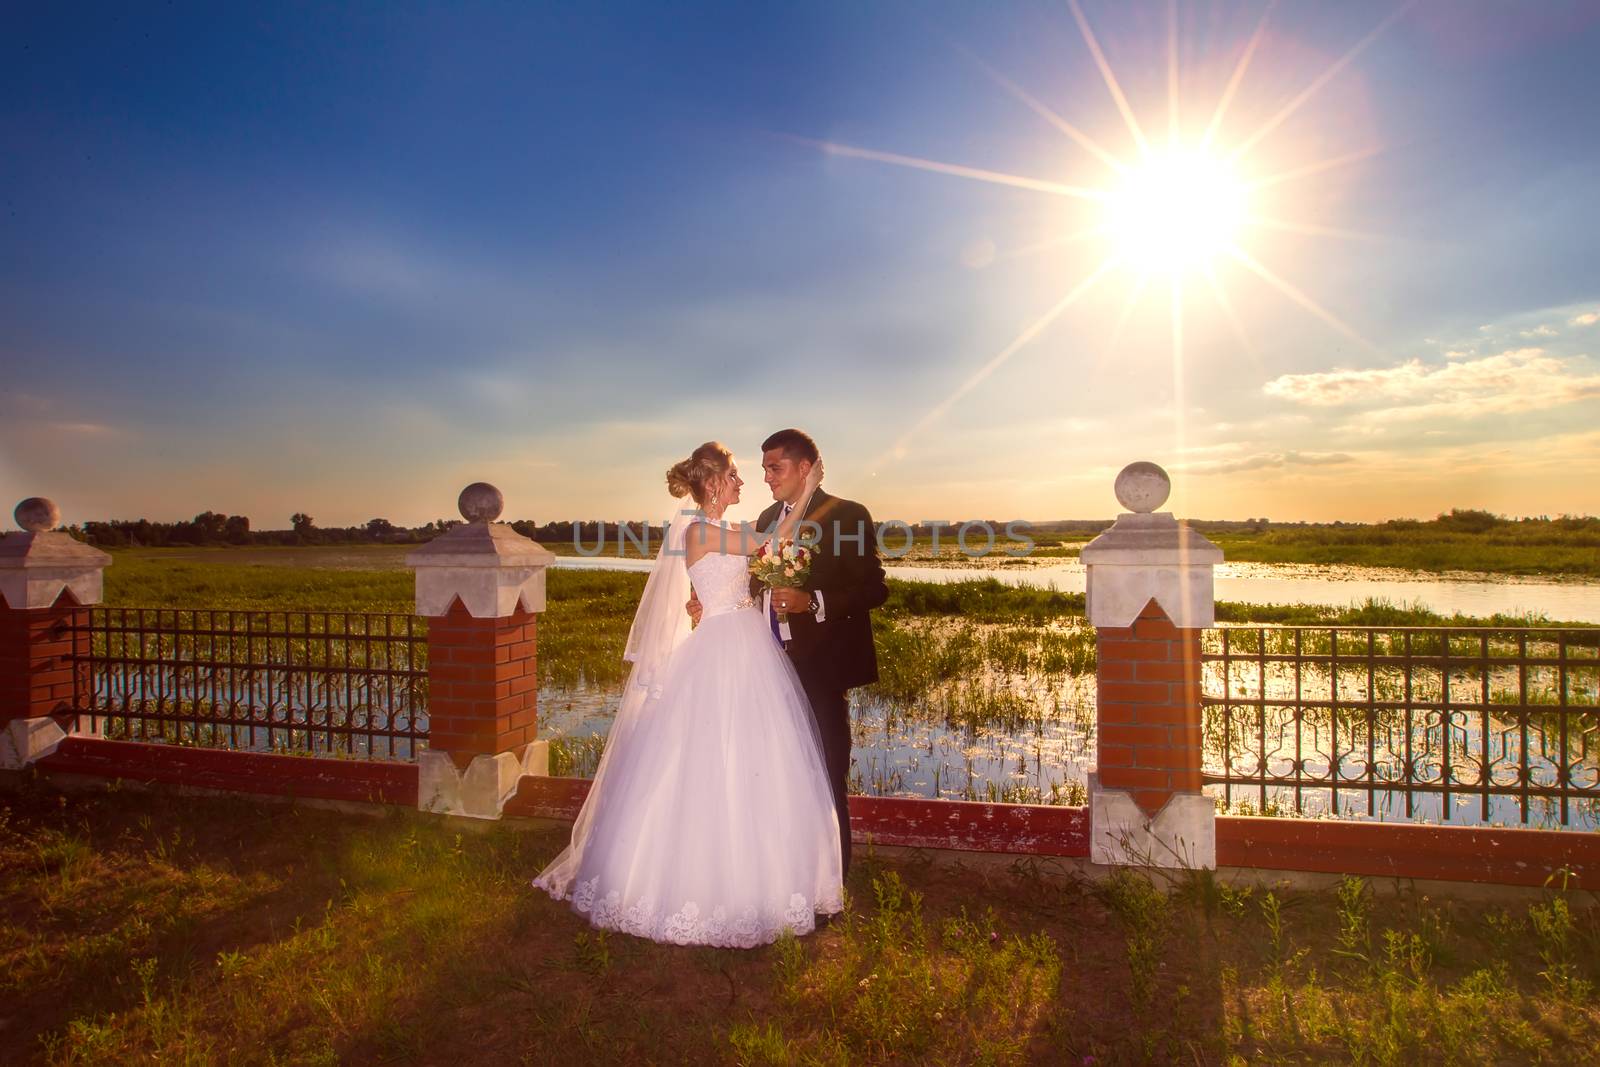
1469,593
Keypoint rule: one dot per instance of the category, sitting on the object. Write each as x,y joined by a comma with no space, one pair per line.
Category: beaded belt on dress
741,605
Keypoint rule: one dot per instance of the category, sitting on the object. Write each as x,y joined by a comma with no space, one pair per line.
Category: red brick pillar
481,587
482,683
36,650
47,581
1149,582
1148,709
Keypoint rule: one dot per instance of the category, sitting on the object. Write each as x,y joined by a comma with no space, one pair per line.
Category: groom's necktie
772,612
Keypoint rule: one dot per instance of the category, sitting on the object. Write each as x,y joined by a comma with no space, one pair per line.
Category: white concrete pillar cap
1148,555
38,562
492,569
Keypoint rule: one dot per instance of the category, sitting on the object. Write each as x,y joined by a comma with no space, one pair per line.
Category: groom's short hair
796,445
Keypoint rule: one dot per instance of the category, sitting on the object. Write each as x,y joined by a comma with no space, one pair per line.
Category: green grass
147,579
1373,612
1436,556
980,600
1459,541
1463,540
151,928
581,634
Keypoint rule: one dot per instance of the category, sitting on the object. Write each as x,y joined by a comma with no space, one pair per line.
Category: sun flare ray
1038,107
1235,79
1294,294
1309,169
1283,113
955,170
1124,316
1311,230
1052,242
1022,340
1172,72
1226,306
1179,409
1109,78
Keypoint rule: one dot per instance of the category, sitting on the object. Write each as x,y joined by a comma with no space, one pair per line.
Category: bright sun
1176,211
1170,212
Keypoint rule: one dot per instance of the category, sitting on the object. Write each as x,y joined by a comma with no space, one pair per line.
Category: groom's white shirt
766,598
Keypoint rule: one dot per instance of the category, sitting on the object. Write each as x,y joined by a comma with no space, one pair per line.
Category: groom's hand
693,608
790,601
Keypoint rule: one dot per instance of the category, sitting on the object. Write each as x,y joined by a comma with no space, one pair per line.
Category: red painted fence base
237,772
1374,850
952,824
1038,830
1399,850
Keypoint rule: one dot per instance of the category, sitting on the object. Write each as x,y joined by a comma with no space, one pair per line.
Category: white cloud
1263,460
1541,330
1516,380
1588,318
89,429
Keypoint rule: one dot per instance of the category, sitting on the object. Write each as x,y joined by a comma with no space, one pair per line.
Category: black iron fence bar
264,665
313,681
1496,666
1563,768
1411,726
235,634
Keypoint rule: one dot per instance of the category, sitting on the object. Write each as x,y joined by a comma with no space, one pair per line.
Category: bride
710,820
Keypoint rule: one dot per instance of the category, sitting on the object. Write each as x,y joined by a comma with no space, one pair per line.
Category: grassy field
375,579
1460,541
159,929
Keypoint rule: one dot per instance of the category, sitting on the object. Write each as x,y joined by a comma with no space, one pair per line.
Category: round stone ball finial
480,502
1142,487
36,514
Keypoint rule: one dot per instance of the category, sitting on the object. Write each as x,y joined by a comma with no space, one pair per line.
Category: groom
828,632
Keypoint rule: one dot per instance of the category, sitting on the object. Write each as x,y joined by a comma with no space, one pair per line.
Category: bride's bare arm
745,538
740,539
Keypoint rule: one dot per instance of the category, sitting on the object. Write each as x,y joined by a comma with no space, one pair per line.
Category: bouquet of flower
785,564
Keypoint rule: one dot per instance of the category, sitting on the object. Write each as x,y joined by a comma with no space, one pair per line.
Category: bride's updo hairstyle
693,476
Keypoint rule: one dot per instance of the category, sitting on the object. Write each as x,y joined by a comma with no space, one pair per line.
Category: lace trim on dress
687,926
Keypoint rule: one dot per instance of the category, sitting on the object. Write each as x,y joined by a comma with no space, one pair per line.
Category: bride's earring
716,498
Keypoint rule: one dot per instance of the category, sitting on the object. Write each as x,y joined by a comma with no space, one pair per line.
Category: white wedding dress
710,821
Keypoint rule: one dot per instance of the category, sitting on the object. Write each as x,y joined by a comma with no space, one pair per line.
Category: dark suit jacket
849,575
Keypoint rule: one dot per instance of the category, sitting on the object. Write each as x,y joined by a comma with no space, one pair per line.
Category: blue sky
274,258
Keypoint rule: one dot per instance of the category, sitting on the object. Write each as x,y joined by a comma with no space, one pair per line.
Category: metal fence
313,682
1464,725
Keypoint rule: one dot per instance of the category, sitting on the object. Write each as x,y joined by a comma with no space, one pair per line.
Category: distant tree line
1455,525
213,528
216,529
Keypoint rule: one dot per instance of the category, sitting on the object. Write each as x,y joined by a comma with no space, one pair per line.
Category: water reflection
894,754
1484,726
1317,722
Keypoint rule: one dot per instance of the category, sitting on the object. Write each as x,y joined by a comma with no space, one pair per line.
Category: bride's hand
814,476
